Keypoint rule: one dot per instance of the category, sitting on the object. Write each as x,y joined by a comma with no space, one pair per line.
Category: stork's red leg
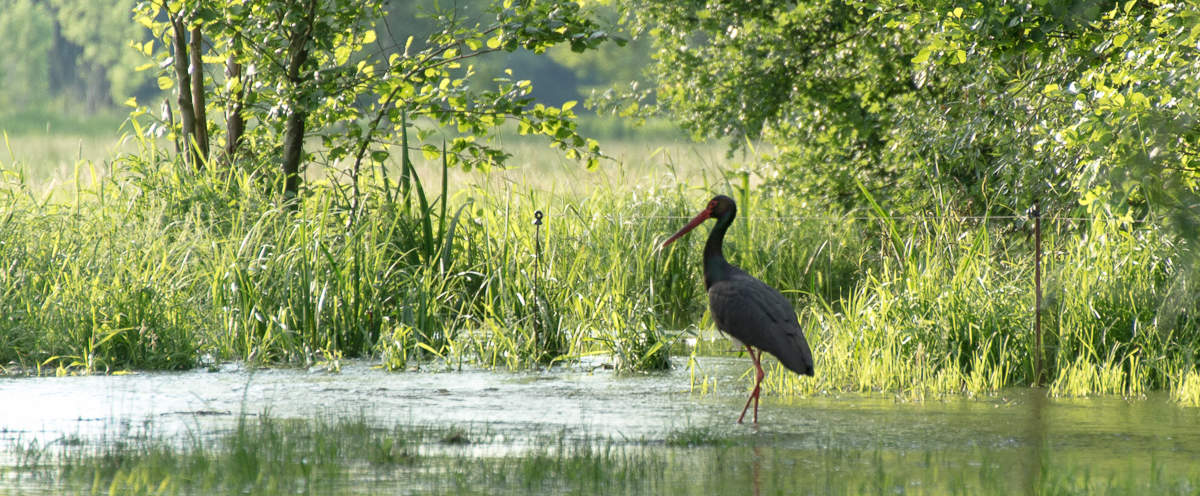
757,382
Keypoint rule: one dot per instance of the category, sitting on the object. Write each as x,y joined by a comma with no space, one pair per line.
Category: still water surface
1011,437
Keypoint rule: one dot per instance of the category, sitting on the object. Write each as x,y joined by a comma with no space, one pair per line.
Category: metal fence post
537,248
1037,288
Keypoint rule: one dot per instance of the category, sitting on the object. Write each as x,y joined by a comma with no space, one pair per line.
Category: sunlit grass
1187,389
952,312
152,268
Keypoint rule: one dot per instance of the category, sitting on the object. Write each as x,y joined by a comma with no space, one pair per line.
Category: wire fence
586,223
836,218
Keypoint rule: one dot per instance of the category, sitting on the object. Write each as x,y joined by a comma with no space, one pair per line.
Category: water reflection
1015,435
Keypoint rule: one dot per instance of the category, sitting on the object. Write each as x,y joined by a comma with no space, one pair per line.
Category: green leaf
430,152
429,349
341,54
1138,99
165,83
922,56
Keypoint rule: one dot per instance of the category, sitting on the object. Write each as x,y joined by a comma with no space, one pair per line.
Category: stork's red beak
697,220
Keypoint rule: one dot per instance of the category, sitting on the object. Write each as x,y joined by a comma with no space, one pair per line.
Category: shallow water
1012,437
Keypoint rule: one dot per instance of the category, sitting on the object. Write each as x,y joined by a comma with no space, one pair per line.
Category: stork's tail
796,355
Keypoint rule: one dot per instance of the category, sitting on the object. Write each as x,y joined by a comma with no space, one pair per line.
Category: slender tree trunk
235,123
293,149
187,115
293,137
197,69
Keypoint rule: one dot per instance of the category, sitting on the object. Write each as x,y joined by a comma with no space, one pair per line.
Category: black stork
753,313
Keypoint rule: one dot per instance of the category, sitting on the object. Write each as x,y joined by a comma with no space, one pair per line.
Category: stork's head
719,207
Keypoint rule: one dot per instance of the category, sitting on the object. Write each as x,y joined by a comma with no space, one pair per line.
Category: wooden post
1037,303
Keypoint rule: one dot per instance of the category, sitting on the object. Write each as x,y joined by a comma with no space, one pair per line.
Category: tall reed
148,266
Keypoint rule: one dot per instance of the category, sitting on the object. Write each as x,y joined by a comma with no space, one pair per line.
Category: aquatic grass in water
353,455
1187,389
261,455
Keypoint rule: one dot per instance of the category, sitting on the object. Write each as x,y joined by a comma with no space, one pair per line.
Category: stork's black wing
760,316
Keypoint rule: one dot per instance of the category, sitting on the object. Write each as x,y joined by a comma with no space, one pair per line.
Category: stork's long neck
715,266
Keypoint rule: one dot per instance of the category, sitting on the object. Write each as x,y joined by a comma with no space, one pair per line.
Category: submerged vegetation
264,455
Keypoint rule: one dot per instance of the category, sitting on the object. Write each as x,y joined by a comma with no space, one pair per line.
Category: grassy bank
143,266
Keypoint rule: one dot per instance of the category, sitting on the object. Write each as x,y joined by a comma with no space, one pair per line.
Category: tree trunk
293,137
187,115
197,69
235,123
293,149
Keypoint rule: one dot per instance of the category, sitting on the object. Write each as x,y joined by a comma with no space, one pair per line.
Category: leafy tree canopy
995,105
319,68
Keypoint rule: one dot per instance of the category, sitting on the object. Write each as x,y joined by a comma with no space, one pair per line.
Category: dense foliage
65,59
295,69
995,106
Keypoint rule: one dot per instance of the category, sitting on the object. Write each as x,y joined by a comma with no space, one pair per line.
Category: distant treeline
68,54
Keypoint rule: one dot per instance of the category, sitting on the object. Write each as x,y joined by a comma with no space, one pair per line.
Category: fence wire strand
834,218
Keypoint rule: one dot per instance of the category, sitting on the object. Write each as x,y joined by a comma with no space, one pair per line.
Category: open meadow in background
387,265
